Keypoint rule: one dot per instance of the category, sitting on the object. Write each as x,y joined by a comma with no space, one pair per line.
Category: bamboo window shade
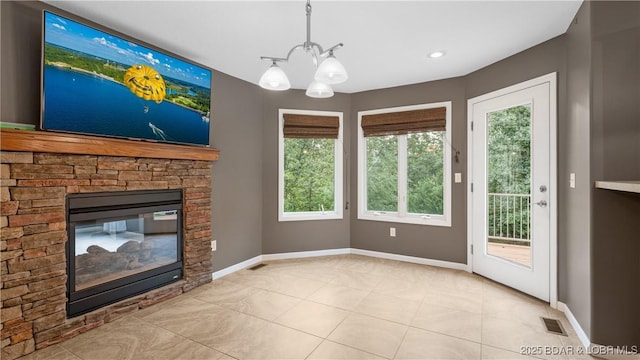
405,122
310,126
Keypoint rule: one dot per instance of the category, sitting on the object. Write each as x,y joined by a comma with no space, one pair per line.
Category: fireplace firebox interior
121,244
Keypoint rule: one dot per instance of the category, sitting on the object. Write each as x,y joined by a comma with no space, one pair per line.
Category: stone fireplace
121,244
35,188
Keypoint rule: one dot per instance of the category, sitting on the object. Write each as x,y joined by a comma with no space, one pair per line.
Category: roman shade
405,122
310,126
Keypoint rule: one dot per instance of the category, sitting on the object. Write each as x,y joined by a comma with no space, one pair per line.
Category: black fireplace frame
111,205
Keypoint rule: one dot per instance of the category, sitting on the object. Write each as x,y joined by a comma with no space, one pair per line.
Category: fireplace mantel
51,142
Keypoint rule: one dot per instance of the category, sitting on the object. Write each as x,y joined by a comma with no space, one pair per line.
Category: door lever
541,203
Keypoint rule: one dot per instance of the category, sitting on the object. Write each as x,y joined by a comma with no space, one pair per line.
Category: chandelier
329,71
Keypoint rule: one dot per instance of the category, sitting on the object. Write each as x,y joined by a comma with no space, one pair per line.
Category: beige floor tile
296,286
183,316
454,299
513,335
369,334
401,287
317,272
449,321
421,344
339,296
228,332
313,318
221,291
278,342
388,308
502,302
329,350
357,280
362,306
264,304
491,353
130,338
458,280
53,352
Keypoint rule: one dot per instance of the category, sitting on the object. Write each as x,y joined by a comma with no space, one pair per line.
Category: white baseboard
411,259
584,339
237,267
305,254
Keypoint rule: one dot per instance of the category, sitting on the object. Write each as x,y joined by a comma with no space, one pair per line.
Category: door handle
541,203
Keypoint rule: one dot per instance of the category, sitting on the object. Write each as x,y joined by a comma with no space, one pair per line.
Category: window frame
402,216
338,197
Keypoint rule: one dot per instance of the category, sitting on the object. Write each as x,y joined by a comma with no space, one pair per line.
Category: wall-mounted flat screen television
97,83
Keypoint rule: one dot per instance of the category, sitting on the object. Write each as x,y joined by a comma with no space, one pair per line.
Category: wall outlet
572,180
392,232
458,177
213,245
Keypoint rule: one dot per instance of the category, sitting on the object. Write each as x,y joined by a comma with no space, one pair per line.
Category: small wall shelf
43,141
628,186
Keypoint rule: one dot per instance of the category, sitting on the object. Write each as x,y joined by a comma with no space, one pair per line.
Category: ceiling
386,43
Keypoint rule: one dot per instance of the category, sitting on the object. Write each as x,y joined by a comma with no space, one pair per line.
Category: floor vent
256,267
553,326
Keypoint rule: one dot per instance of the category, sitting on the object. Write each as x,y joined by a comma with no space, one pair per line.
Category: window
310,165
404,164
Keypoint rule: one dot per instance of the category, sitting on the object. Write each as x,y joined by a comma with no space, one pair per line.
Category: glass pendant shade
275,79
331,71
319,90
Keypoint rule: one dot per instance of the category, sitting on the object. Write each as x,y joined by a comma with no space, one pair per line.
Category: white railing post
517,205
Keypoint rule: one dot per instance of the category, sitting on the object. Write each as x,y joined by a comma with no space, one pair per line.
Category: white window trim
402,216
337,213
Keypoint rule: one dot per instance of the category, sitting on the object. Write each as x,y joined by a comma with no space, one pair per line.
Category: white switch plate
458,177
392,232
572,180
213,245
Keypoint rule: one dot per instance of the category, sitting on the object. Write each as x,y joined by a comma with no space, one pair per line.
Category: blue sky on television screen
75,36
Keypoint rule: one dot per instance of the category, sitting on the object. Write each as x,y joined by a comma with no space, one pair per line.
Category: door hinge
471,187
472,126
471,249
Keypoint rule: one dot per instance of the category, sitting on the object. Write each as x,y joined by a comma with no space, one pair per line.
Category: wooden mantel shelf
44,141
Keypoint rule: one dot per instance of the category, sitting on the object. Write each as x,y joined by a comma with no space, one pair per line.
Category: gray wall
432,242
237,127
575,214
291,236
236,131
615,155
20,52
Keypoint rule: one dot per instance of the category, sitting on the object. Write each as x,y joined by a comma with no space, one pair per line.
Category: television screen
98,83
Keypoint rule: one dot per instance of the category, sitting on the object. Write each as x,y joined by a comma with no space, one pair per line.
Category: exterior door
512,171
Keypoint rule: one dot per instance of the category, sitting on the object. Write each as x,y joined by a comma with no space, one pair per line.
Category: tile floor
334,307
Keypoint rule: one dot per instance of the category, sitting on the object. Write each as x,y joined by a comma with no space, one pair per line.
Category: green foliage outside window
382,173
509,172
309,175
425,173
425,168
509,150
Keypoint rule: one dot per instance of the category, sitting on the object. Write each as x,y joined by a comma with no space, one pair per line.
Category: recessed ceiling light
436,54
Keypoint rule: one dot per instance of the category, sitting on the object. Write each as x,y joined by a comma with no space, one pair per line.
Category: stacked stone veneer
34,235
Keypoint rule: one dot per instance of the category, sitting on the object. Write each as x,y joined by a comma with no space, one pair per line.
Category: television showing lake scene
97,83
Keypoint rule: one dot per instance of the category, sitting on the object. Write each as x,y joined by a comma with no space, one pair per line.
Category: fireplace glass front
122,244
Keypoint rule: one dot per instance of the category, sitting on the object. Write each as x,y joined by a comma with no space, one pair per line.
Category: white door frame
553,174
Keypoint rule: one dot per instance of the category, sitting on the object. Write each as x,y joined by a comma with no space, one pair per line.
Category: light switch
572,180
392,232
458,177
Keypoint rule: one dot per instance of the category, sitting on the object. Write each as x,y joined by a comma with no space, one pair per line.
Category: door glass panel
509,184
